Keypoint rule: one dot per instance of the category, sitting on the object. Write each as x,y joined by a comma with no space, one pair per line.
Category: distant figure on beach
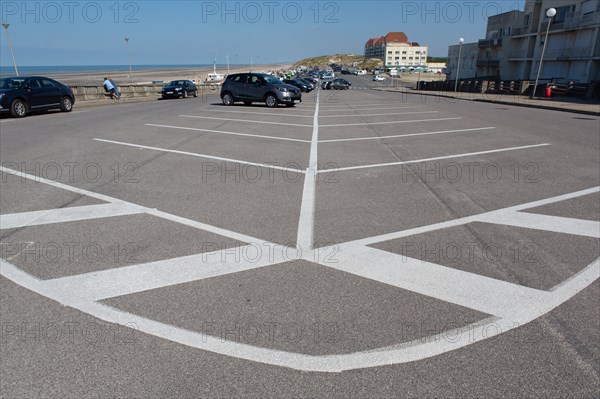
111,87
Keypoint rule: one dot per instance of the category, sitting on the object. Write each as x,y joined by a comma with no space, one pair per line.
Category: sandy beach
148,76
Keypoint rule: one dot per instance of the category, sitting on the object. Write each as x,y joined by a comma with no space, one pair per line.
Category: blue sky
184,32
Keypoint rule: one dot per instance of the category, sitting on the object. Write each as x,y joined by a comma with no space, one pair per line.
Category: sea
83,69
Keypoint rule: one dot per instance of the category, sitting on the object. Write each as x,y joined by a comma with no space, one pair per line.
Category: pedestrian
111,88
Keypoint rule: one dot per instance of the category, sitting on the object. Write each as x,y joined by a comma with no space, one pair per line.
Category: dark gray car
259,87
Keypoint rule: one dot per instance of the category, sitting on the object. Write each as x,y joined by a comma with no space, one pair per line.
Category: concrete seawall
91,94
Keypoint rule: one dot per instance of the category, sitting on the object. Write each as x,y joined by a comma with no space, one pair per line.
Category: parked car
298,83
344,81
378,78
258,87
179,88
21,95
328,75
339,84
326,85
346,72
311,85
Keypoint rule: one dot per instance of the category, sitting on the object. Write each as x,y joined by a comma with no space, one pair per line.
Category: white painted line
536,221
275,113
436,158
329,105
307,209
484,294
393,113
470,219
244,120
155,212
60,185
193,154
408,135
126,280
391,123
397,354
230,133
61,215
367,109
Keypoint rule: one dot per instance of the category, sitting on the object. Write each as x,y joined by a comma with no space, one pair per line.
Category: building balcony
487,63
489,43
562,53
572,22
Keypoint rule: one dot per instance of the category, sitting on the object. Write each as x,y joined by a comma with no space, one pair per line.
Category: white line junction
508,305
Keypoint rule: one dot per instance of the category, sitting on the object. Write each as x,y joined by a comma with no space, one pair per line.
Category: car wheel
227,99
271,101
18,109
247,102
196,93
66,105
185,94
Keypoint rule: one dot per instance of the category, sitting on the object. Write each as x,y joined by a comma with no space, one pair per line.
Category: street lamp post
550,13
250,56
227,56
5,25
460,41
214,53
129,59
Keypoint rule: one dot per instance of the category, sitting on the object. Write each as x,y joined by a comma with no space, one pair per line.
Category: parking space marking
588,228
392,122
392,113
517,305
367,109
409,135
306,223
193,154
244,120
484,294
61,215
260,113
127,280
344,104
470,219
229,133
435,158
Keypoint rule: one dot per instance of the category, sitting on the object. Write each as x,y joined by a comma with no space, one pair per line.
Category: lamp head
461,40
551,12
5,25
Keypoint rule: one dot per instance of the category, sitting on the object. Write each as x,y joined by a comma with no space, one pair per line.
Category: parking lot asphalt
361,244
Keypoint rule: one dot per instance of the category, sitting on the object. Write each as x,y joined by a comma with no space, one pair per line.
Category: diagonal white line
60,215
436,158
307,209
407,135
389,113
244,120
389,123
470,219
230,133
260,165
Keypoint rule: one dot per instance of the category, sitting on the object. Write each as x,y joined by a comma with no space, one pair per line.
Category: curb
546,107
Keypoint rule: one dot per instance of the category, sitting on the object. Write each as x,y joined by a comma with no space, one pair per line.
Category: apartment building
573,49
397,51
514,41
468,61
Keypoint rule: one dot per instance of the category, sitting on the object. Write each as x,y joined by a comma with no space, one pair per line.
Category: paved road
361,244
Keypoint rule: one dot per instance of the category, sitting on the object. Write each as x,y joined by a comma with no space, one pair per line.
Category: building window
410,58
389,52
561,13
397,58
403,58
397,52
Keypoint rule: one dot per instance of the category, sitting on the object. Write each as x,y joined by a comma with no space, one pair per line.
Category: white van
393,72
